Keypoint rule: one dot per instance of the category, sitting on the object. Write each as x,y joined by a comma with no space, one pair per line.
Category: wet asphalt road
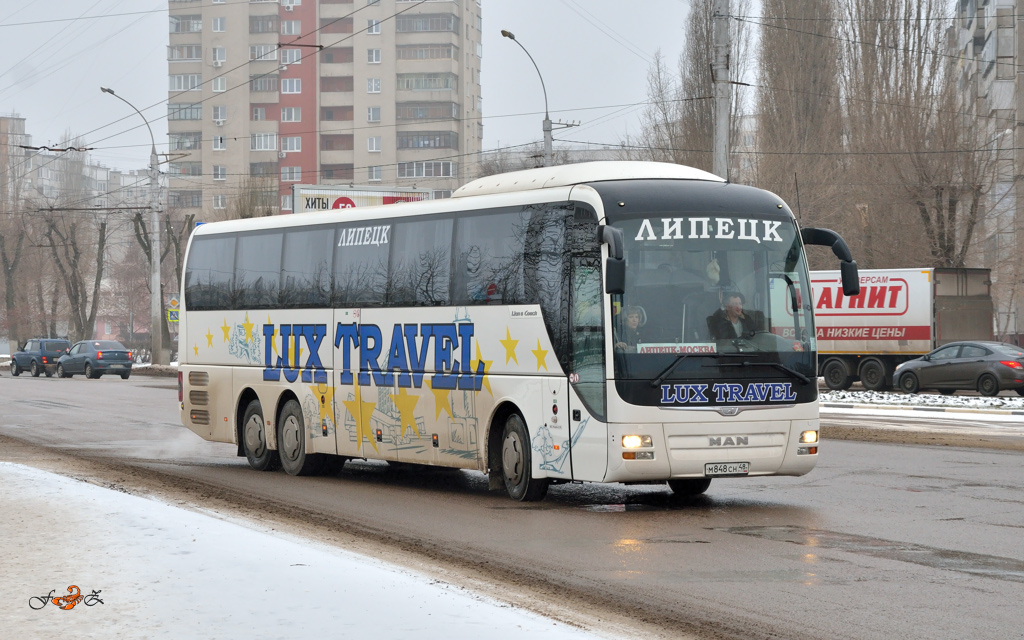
879,541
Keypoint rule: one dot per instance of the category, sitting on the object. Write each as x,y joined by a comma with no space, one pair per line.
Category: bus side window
209,275
257,270
421,263
360,268
306,268
489,259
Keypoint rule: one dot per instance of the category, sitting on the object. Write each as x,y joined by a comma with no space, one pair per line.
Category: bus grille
198,378
199,398
198,416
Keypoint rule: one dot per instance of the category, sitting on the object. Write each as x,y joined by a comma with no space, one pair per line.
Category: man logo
728,441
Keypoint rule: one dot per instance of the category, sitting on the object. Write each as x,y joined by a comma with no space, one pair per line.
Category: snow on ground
889,398
165,572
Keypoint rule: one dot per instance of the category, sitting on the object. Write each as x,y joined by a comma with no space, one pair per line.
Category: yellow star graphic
248,328
405,405
209,338
487,367
226,329
324,393
195,348
441,400
361,413
541,355
510,347
273,337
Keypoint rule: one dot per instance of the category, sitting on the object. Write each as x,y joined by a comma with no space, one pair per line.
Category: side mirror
851,278
827,238
615,275
926,357
612,237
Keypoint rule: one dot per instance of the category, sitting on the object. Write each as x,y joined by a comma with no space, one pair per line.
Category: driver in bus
627,337
733,321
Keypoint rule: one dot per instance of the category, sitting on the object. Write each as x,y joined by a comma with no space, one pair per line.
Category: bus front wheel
254,439
516,463
291,443
689,486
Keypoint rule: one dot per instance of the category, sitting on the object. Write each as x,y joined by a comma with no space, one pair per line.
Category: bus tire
872,375
837,375
254,439
517,464
291,443
689,486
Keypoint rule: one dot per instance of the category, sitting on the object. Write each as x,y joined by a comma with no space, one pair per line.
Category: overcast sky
594,56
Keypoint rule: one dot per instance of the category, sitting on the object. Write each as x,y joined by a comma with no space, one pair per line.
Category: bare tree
257,197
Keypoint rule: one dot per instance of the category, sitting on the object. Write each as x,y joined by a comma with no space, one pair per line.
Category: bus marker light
380,435
433,438
635,442
808,437
629,455
554,409
806,451
645,455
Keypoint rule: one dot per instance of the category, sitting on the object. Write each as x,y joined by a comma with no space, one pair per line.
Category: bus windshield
713,296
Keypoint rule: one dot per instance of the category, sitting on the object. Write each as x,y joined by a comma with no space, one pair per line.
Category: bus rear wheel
516,463
689,486
254,439
291,443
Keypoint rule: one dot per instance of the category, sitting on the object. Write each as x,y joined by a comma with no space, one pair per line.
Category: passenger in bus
733,321
627,334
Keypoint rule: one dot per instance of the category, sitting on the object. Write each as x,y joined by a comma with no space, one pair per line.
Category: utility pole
723,97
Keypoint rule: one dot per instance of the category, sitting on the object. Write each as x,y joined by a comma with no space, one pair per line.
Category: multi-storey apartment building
270,93
988,44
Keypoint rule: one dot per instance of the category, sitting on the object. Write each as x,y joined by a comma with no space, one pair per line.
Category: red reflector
180,391
1013,364
554,409
44,359
99,355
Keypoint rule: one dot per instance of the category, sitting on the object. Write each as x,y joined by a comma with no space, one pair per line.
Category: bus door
586,358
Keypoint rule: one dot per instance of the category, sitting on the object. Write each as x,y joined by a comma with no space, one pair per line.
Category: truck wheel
837,375
988,385
872,375
909,383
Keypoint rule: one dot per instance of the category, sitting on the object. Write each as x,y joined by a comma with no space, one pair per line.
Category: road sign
172,315
173,302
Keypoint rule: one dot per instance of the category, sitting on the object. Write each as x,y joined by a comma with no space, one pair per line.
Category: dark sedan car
94,358
988,367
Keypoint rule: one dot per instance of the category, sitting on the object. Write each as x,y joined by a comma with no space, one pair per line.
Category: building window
220,54
220,112
428,140
185,82
220,202
426,110
427,22
338,114
219,25
291,56
189,198
263,24
186,140
427,52
177,111
373,85
373,27
428,170
185,169
262,83
372,1
291,174
373,143
186,24
179,52
373,114
373,173
220,143
291,114
263,52
220,172
291,27
291,143
427,81
219,84
438,194
259,113
262,141
291,85
286,203
373,56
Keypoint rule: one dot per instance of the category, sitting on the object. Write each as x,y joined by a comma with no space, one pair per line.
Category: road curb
887,407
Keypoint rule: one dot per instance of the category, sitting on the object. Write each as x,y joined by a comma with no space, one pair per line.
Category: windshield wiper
675,363
777,365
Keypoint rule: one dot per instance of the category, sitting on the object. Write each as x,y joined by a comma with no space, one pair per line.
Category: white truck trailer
899,314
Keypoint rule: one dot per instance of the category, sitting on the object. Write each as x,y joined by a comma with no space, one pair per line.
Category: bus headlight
808,437
636,442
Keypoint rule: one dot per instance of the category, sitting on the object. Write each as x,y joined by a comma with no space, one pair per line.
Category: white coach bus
489,331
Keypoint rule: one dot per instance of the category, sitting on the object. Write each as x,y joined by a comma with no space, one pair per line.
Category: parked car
988,367
95,358
39,356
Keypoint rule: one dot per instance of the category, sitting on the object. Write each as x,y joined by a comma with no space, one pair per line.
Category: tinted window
489,259
77,348
55,345
971,351
361,265
421,263
257,270
546,270
306,268
1010,350
210,273
946,353
108,344
31,345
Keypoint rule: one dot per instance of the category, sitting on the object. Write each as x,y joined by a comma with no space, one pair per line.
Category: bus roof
583,172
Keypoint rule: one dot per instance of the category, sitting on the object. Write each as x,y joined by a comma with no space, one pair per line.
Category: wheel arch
244,398
495,428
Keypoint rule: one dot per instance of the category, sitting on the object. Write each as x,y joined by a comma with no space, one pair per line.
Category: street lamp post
156,320
547,118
